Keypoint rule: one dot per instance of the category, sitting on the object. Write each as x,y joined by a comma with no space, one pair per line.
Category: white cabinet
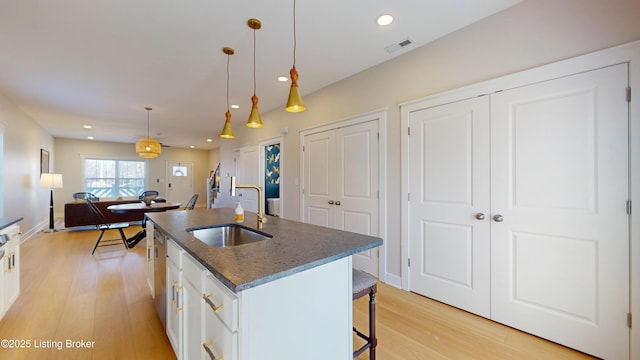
221,316
193,316
281,319
185,304
174,298
152,253
10,276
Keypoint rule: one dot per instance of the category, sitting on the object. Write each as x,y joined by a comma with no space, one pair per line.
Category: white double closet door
517,208
340,177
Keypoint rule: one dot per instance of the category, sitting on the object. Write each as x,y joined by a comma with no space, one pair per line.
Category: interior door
560,240
319,179
356,200
449,204
179,181
340,168
248,170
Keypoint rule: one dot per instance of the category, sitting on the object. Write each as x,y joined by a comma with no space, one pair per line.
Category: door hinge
628,94
378,136
408,196
629,320
302,148
408,262
409,131
628,207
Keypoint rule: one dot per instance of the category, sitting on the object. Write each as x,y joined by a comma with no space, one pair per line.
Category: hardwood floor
67,294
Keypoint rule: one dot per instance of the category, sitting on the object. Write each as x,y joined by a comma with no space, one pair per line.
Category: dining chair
85,196
103,225
192,202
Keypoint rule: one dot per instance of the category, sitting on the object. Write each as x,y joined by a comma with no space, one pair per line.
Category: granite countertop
295,246
6,222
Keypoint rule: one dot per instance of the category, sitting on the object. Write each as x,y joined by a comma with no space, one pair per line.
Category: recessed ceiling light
209,140
87,126
192,147
385,20
235,106
283,78
90,137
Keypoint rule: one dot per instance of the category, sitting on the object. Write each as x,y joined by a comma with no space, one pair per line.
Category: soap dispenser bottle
239,213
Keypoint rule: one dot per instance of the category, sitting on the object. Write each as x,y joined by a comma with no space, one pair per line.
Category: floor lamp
51,181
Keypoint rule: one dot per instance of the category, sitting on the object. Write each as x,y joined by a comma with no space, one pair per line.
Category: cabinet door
193,321
449,188
151,256
174,307
559,167
12,275
192,279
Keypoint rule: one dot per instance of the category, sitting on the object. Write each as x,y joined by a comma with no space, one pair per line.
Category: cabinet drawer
173,253
218,339
221,301
12,231
192,271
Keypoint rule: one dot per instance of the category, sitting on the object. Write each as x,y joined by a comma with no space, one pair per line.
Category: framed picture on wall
44,161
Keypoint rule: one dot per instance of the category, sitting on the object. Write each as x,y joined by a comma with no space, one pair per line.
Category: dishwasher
159,275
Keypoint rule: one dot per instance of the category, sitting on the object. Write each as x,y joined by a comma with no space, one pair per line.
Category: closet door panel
449,204
357,186
559,167
319,179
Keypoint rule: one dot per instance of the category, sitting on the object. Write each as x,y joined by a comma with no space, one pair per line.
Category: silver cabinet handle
498,218
330,202
338,203
480,216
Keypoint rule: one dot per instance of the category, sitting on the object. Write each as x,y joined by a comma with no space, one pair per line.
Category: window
106,178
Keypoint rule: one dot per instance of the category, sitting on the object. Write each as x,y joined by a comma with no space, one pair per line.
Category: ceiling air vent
399,45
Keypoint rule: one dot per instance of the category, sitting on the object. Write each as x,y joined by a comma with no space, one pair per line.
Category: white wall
530,34
21,192
69,154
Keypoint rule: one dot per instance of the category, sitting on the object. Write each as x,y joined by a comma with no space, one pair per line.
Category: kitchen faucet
261,218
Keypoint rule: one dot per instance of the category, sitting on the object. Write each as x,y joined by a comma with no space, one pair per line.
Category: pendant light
148,148
227,132
294,103
254,118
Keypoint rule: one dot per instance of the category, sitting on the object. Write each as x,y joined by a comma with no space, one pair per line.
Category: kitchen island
286,297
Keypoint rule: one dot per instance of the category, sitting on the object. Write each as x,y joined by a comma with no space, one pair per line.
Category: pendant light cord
228,59
148,124
254,61
295,43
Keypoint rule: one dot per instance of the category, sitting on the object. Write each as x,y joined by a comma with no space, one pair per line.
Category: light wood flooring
68,294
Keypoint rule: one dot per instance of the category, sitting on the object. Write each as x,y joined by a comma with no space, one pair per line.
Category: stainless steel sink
228,235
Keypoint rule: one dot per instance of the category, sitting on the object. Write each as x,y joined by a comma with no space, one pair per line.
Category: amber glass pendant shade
294,104
254,122
227,131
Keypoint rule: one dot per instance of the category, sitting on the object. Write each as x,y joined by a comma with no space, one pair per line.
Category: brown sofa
77,213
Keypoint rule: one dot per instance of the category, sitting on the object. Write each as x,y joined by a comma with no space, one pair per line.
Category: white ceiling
67,63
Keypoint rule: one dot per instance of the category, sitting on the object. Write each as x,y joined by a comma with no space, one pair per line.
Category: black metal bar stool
363,284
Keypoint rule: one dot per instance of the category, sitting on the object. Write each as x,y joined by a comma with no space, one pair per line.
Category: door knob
330,202
498,218
480,216
338,203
